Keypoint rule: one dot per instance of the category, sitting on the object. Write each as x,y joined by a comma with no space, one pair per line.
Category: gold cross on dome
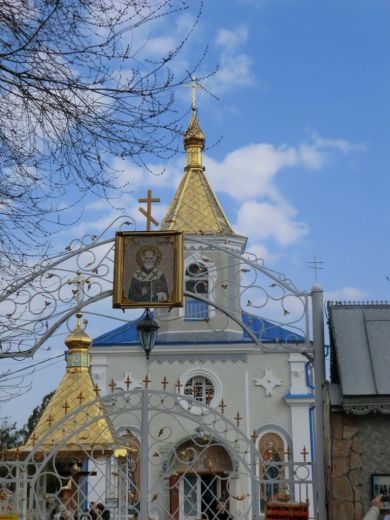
50,420
66,407
80,397
193,85
148,213
96,389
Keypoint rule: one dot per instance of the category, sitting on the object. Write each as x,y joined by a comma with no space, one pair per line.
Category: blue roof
268,332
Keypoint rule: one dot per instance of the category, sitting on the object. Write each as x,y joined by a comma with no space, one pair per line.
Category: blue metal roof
268,332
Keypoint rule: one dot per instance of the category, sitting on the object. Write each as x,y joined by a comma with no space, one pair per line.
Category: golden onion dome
78,338
194,135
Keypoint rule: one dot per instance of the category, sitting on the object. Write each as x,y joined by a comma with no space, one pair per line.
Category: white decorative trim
268,382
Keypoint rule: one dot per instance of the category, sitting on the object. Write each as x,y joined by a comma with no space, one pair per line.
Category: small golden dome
78,338
194,135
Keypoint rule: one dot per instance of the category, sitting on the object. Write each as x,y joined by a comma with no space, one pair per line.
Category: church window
196,282
200,388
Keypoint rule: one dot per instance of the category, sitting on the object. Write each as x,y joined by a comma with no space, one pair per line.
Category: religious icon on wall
148,269
271,449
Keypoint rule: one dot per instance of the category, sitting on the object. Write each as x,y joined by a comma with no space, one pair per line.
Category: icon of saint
148,283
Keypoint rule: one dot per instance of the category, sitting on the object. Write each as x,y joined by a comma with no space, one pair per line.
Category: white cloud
160,46
230,40
165,175
263,220
250,170
259,252
337,144
235,67
346,293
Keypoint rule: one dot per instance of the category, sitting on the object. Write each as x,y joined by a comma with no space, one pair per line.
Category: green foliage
35,415
10,436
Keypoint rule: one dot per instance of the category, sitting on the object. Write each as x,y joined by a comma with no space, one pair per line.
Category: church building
205,350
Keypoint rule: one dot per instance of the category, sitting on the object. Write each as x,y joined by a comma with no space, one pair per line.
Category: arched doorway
201,468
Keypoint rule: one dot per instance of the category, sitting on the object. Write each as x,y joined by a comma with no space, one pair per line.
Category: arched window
196,282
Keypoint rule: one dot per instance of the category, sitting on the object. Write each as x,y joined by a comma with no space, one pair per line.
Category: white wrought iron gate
166,463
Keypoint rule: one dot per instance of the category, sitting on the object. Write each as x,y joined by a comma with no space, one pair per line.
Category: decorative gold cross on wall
148,213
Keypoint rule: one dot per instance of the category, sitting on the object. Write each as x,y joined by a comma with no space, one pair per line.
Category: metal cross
128,382
50,420
254,436
148,213
238,419
288,452
112,385
164,382
193,85
66,407
222,406
315,264
146,381
97,389
78,293
80,397
305,453
178,385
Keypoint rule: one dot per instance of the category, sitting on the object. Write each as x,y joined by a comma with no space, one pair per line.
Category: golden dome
194,135
78,338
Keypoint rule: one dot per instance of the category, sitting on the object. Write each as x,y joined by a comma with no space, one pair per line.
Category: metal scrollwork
265,304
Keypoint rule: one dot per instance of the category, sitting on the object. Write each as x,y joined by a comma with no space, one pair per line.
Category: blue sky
303,165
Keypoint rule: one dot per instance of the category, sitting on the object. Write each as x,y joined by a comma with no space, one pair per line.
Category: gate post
254,485
144,458
319,375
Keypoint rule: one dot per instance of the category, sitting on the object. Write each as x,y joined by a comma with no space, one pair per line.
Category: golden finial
194,138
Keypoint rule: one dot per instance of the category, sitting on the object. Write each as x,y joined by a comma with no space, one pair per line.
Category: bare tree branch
76,90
